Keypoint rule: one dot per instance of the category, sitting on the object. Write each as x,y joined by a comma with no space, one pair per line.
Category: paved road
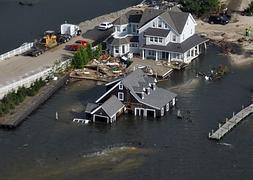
18,67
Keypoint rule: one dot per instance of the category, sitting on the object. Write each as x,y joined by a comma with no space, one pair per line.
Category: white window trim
121,96
120,87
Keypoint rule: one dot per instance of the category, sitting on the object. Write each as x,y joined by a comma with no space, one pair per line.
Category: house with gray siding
156,34
137,93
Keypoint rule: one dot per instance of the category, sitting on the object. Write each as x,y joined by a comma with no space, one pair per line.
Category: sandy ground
228,35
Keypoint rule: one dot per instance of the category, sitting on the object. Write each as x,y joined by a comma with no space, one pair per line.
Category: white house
156,34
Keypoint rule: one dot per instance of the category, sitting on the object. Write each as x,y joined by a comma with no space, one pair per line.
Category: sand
240,52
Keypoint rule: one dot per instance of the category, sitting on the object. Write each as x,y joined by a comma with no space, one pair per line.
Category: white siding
189,29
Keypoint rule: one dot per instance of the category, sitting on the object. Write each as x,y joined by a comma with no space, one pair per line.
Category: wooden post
56,115
219,125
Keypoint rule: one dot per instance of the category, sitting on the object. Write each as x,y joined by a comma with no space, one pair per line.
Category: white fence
27,81
23,48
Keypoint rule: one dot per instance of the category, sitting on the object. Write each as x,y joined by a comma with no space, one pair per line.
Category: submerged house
136,93
156,34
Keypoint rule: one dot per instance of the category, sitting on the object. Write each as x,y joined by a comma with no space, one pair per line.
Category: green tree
80,58
98,51
89,51
200,7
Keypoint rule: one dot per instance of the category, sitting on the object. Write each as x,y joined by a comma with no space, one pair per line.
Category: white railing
27,81
23,48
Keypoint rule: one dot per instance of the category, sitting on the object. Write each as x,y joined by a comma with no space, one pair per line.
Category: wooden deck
229,124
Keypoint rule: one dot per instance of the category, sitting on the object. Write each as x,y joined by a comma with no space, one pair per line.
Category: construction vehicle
49,40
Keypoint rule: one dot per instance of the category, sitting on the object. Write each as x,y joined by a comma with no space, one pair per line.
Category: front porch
184,57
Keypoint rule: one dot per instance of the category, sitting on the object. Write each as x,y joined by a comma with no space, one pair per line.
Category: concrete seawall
31,104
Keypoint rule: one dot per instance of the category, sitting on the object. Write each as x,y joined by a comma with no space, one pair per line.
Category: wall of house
118,50
154,24
189,29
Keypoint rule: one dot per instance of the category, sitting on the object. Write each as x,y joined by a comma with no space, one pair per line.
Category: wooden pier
229,124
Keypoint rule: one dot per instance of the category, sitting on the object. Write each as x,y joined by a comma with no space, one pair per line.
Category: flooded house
156,34
137,93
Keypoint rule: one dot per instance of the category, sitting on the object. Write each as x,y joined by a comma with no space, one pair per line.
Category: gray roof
159,98
148,15
137,80
132,16
119,41
90,107
157,32
112,106
178,47
174,17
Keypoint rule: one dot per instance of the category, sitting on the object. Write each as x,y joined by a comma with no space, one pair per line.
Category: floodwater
133,147
21,24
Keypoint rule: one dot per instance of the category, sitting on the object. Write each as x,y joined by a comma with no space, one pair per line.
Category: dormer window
160,23
153,24
174,38
120,87
148,91
142,95
117,29
166,26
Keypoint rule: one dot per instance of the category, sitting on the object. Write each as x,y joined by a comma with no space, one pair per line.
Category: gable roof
174,17
90,107
137,80
118,41
112,106
148,15
132,16
156,32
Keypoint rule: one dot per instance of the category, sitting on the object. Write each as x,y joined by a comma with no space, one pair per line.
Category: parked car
105,26
218,20
78,44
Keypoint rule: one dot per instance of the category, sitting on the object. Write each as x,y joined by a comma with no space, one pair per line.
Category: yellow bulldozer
49,39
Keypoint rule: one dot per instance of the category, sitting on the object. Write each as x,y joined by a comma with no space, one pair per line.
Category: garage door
100,119
150,113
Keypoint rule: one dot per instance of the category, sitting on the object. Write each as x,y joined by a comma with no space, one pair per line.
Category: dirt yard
231,37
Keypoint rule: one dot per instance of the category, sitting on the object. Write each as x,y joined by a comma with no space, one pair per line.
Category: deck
229,124
157,68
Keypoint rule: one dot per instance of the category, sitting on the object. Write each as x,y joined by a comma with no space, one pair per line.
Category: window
160,40
151,39
156,39
166,26
124,30
174,38
117,28
134,28
120,87
153,24
116,49
133,45
160,23
121,96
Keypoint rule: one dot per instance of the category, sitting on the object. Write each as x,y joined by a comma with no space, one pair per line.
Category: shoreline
31,104
231,38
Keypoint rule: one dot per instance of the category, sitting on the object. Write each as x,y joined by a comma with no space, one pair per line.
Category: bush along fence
29,81
14,98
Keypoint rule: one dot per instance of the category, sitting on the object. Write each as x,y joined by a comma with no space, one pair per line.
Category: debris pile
104,69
